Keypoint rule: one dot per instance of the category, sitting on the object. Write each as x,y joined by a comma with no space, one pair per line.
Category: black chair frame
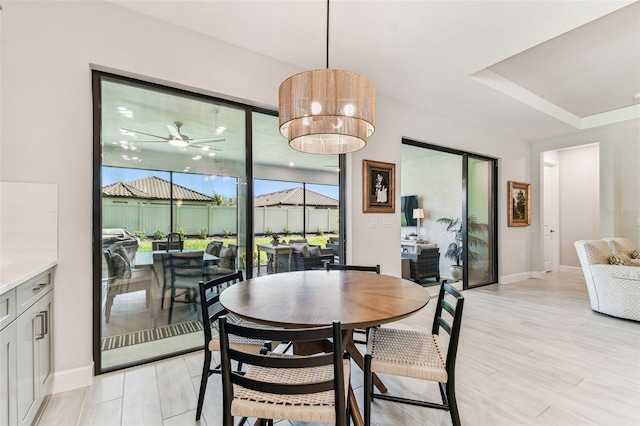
211,311
447,390
339,267
186,273
230,377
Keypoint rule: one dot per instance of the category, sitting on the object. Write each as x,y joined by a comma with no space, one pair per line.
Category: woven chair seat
317,407
240,343
407,353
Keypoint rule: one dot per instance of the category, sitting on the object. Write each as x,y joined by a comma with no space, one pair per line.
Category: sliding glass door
455,193
480,221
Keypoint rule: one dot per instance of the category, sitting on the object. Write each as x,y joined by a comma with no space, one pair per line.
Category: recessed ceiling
527,69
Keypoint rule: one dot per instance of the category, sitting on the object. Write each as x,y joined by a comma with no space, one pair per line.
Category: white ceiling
528,69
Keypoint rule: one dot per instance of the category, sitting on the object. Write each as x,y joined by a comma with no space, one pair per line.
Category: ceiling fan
178,139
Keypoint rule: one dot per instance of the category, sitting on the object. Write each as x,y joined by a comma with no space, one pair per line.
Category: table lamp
418,214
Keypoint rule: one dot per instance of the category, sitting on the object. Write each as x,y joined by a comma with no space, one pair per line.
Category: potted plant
275,240
455,249
413,236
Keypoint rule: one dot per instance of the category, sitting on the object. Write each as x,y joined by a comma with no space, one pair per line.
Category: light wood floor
531,353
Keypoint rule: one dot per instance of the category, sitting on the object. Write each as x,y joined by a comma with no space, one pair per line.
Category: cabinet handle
39,287
46,322
41,335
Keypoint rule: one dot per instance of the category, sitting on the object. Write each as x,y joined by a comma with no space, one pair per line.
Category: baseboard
509,279
72,379
570,269
538,274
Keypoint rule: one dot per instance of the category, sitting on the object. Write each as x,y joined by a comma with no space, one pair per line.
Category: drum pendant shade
327,111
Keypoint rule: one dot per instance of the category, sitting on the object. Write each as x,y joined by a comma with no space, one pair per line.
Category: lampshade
418,213
327,111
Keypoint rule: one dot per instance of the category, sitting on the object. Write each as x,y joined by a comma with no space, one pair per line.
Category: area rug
149,335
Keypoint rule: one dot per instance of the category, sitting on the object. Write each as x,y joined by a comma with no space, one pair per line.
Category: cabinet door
8,354
29,326
44,345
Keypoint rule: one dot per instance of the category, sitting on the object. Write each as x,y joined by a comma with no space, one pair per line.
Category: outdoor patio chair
186,272
418,355
122,278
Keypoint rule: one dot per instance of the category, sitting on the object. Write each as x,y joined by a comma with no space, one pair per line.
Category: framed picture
379,195
519,204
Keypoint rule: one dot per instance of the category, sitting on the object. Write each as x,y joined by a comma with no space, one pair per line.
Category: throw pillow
214,248
314,251
120,265
616,260
227,258
122,252
304,251
635,254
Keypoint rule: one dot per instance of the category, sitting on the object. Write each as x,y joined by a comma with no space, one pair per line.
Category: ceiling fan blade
206,140
174,132
204,148
146,134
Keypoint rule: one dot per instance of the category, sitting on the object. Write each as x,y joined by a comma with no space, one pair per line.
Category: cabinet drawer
31,291
7,308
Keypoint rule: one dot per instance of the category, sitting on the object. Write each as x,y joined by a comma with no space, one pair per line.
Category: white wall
619,185
579,178
48,51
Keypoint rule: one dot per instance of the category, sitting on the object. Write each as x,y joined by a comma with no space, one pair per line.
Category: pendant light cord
327,34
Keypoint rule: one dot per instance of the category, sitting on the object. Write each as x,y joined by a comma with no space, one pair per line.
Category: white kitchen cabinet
8,355
26,351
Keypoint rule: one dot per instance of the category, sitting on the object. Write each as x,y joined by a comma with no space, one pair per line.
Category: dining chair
186,272
211,310
337,267
174,242
302,388
419,355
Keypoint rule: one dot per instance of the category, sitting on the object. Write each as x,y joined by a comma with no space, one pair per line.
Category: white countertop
14,272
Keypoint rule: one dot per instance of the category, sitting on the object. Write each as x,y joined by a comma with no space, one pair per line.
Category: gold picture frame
378,191
519,204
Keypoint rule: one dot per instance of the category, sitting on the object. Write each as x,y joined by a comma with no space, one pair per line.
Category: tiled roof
293,197
153,188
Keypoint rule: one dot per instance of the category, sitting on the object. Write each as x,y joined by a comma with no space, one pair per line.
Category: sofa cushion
120,265
310,251
635,254
616,260
227,257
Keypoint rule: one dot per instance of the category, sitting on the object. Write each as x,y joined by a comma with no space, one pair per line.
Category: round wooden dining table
318,297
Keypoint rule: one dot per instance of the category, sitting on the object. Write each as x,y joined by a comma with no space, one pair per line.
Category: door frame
494,214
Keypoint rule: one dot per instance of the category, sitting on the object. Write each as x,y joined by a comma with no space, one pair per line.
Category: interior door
549,219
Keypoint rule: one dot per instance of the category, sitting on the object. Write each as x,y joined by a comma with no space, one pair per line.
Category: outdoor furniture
214,247
226,263
298,388
418,355
272,254
186,272
318,297
122,278
424,263
126,239
613,289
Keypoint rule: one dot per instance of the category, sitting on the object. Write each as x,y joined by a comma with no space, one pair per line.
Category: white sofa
613,289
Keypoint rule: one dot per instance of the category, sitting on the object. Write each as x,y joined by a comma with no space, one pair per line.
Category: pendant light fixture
327,111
